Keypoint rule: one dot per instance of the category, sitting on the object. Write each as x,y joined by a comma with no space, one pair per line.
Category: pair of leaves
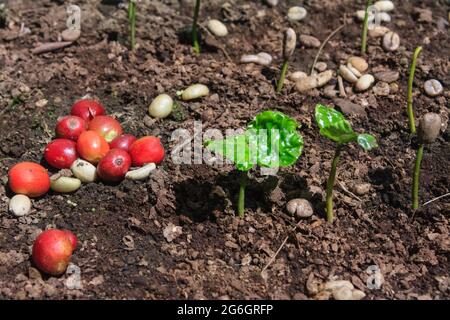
271,140
334,126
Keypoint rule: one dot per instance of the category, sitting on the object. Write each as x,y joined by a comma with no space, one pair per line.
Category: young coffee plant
429,127
194,34
412,70
132,22
334,126
289,43
271,140
365,28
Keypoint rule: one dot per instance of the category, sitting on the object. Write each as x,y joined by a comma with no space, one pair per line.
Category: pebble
171,232
301,208
314,81
309,41
378,31
382,89
349,108
296,13
330,91
336,284
70,34
384,5
195,91
297,75
20,205
391,41
362,189
217,28
433,87
41,103
321,66
141,173
272,3
65,184
393,87
347,74
161,106
358,63
83,170
387,76
364,82
342,293
261,58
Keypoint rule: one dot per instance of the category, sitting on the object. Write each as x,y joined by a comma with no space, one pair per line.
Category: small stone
34,274
378,31
393,87
433,87
296,13
297,75
391,41
358,63
70,34
342,293
272,3
301,208
348,107
424,15
362,189
172,232
217,28
364,82
309,41
387,76
358,294
321,66
330,91
347,74
336,284
195,91
41,103
381,89
384,5
20,205
314,81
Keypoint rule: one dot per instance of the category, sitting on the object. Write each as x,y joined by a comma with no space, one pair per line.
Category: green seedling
412,70
334,126
365,28
132,22
194,30
289,43
271,140
429,127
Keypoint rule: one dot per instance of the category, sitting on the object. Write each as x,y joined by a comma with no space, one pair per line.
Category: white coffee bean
364,82
195,91
20,205
433,87
296,13
347,74
217,28
384,5
358,63
391,41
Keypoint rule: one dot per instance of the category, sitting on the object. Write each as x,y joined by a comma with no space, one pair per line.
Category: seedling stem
365,28
412,70
415,190
242,185
330,184
132,21
195,42
282,75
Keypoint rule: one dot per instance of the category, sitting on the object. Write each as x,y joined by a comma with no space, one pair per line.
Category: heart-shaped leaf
367,141
333,125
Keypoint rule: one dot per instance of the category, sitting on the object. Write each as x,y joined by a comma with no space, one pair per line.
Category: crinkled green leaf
367,141
234,148
271,140
278,142
333,125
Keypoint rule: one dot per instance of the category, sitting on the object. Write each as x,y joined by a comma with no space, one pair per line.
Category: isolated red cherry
70,127
87,109
123,142
114,165
145,150
106,126
52,250
29,178
91,146
61,153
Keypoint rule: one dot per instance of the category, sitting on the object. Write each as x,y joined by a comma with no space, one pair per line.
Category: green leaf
235,148
271,140
276,138
333,125
367,141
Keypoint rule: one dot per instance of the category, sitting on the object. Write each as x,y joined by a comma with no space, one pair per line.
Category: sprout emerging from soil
334,126
289,43
271,141
132,21
195,42
429,127
412,70
365,28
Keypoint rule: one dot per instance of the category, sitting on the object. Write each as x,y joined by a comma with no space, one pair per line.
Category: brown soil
219,255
